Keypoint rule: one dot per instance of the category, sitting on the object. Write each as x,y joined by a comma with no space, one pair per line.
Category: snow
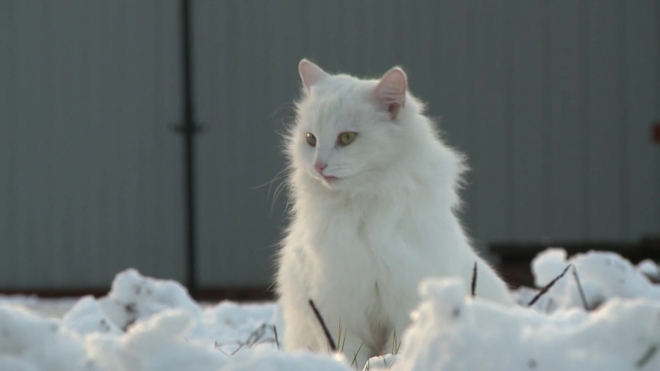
649,268
273,360
133,297
602,275
454,332
87,317
146,324
149,324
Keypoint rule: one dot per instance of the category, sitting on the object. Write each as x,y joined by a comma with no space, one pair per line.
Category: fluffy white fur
359,245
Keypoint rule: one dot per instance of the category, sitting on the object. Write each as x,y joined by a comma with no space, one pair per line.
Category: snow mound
133,297
146,324
453,332
384,362
230,325
158,343
30,342
87,317
650,269
602,275
273,360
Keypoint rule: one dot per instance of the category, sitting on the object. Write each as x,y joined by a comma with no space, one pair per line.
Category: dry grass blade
474,280
395,343
354,361
343,342
331,342
548,286
579,285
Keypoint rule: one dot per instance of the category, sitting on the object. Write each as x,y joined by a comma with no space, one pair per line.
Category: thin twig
256,335
474,280
277,341
333,347
646,357
579,285
548,286
241,345
216,346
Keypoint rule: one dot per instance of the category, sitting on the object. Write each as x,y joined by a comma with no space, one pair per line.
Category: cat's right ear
390,93
310,74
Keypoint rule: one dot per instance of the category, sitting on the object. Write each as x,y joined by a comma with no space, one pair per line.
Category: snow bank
602,275
273,360
453,332
649,269
87,317
30,342
159,343
133,297
146,324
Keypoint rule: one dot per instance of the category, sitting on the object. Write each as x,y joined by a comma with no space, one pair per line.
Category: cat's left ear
390,93
310,74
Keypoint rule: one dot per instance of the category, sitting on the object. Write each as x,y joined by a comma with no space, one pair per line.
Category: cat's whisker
278,190
271,185
277,176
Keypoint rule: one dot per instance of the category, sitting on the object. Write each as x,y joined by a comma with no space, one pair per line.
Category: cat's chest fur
366,255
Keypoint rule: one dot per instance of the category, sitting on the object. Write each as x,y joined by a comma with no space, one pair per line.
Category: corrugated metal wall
552,101
90,175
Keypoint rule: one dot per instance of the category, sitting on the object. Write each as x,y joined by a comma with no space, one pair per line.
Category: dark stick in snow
474,280
646,357
579,285
333,347
277,341
548,286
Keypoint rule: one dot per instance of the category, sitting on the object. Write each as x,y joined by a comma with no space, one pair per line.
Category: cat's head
351,133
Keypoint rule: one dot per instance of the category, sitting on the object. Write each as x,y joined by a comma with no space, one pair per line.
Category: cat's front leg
300,333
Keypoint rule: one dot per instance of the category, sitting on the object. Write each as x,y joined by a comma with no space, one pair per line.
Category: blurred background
114,115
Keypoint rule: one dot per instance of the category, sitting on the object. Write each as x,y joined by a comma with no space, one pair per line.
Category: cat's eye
311,139
346,138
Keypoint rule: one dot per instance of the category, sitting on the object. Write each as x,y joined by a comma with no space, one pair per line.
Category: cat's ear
390,93
310,73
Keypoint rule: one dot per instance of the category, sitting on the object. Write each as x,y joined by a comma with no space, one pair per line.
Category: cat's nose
319,166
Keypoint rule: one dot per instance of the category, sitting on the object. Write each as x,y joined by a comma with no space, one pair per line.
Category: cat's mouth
330,179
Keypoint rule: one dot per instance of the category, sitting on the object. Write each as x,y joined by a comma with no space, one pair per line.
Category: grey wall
552,102
90,176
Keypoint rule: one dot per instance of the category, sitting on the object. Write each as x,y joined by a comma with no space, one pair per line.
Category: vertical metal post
188,128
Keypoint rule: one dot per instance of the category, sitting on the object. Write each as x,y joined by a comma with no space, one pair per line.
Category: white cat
373,194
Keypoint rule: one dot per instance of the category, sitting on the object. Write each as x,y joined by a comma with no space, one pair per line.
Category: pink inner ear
390,93
310,73
393,109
